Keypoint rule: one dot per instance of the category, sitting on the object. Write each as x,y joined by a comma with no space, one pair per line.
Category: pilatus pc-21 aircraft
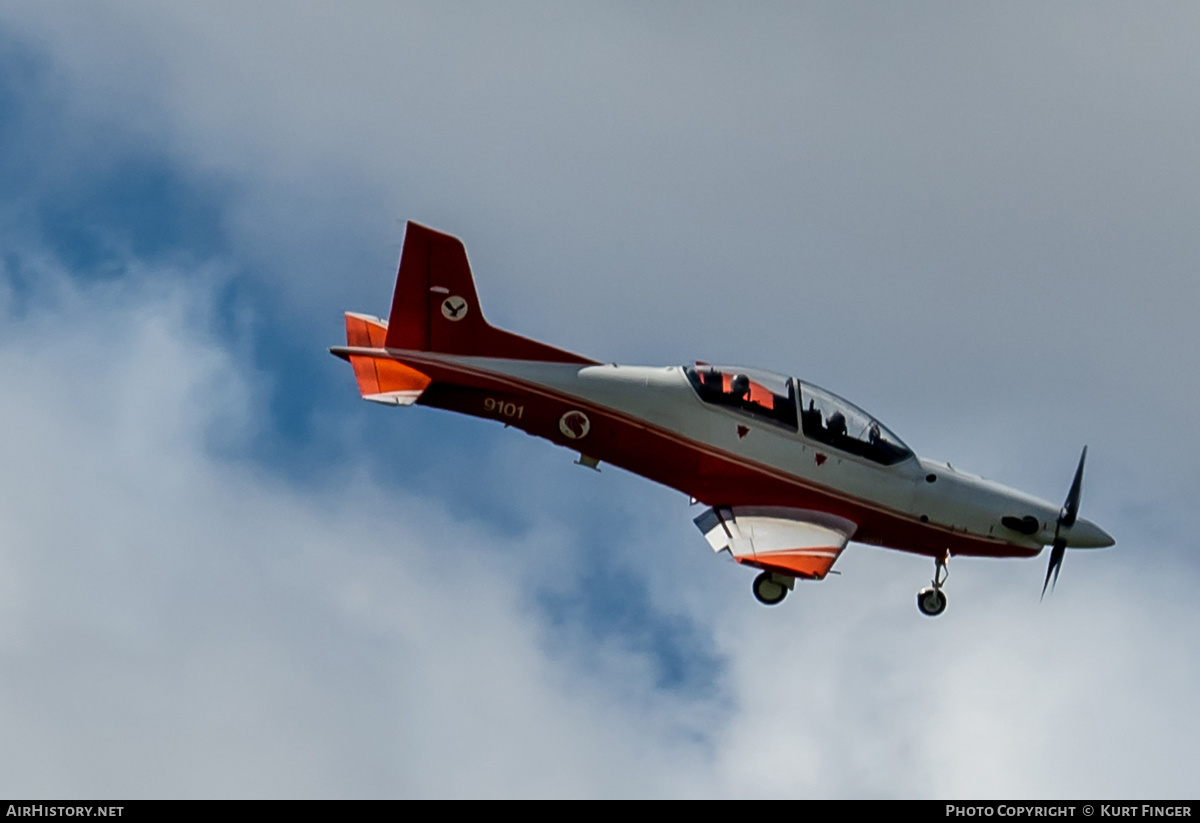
789,471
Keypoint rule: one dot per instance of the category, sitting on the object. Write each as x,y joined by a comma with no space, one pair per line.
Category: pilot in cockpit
837,424
739,387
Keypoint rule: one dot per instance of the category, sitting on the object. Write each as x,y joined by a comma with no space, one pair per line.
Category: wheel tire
931,602
767,591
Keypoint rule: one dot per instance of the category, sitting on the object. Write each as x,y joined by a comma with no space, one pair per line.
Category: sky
224,575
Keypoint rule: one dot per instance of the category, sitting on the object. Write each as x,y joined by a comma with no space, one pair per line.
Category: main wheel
768,591
931,602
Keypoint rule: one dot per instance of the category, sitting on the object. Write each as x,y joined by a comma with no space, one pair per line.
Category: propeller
1066,519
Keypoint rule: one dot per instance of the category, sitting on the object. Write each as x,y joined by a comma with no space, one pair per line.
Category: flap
800,542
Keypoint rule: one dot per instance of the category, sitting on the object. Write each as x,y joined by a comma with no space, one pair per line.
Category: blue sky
222,574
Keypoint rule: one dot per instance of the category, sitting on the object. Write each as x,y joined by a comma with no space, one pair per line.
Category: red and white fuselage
791,472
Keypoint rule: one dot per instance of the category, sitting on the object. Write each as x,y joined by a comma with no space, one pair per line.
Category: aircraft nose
1087,535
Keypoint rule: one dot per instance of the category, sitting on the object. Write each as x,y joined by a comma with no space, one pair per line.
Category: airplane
790,473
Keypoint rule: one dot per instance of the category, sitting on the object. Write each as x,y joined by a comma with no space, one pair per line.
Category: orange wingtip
812,563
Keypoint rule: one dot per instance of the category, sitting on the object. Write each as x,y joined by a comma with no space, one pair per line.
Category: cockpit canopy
823,416
829,419
760,394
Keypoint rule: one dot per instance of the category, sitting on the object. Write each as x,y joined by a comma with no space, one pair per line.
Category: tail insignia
454,308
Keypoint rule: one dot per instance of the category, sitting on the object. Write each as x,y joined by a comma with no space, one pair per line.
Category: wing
795,542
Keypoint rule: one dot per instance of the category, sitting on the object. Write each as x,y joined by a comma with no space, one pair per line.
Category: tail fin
435,307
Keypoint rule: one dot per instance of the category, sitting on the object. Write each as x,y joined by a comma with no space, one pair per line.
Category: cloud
180,624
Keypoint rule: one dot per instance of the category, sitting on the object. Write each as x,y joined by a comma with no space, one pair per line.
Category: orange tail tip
380,379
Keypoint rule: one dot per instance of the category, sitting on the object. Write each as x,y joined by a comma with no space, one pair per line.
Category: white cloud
849,692
176,623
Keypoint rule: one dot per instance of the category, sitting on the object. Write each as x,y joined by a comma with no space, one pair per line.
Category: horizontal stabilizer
380,379
798,542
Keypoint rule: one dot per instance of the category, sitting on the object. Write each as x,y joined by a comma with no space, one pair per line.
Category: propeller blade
1057,552
1066,519
1071,507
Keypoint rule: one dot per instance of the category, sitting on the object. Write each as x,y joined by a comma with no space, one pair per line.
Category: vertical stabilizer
435,307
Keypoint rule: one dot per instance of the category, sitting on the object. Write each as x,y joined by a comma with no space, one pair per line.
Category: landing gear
770,588
932,601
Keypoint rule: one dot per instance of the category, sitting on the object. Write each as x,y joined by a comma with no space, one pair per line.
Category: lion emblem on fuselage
574,424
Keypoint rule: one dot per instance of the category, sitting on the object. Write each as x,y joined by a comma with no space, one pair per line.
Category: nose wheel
770,589
931,601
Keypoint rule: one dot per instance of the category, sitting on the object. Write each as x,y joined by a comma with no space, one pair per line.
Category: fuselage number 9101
504,408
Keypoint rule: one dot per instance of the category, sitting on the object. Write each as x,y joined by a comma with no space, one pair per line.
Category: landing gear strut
932,601
771,588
